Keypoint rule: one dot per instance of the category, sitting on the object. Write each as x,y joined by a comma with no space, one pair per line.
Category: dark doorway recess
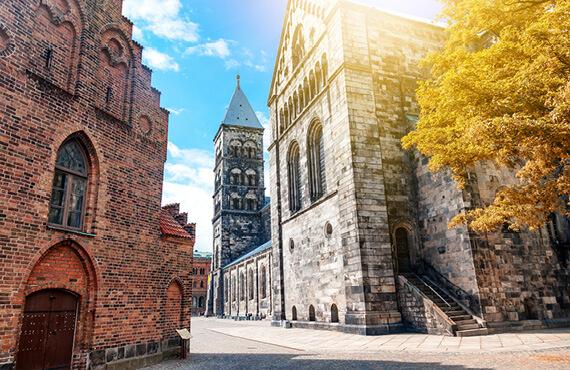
48,329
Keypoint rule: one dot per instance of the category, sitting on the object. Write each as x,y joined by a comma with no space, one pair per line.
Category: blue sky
196,48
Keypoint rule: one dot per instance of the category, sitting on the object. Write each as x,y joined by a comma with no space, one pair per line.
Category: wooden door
48,330
403,262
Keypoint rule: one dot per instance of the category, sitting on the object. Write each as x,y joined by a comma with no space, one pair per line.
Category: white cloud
249,59
176,111
189,180
159,61
163,18
138,34
219,48
264,120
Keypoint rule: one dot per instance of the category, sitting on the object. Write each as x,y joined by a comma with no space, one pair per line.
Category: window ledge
70,231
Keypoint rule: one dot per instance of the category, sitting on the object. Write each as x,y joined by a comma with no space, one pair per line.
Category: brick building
201,266
359,226
92,271
241,263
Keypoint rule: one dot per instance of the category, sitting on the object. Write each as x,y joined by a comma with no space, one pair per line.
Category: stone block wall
520,276
419,313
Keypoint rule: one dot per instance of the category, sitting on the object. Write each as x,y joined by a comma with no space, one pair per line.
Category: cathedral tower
239,193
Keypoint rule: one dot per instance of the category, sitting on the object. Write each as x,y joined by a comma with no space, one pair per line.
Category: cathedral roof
255,252
240,112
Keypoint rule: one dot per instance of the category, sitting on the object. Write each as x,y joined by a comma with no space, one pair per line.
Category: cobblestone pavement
224,344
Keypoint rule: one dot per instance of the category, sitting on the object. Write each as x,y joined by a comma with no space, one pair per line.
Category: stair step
468,326
455,313
461,323
472,332
460,317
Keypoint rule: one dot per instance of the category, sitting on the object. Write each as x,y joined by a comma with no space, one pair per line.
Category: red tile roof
169,226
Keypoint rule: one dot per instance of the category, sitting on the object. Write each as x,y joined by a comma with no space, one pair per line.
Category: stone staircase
466,324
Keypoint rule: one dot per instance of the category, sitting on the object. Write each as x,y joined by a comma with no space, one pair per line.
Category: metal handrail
436,293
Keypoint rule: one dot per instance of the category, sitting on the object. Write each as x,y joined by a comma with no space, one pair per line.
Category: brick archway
66,266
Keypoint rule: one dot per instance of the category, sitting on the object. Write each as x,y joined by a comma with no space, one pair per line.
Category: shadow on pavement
235,361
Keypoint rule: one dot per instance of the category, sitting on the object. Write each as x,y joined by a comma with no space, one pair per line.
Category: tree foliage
500,91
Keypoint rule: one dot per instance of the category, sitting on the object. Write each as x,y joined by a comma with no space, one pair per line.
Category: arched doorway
402,240
294,313
48,330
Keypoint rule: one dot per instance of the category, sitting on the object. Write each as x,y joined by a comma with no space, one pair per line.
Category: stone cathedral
359,226
241,262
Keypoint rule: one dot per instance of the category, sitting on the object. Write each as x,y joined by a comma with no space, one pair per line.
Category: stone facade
350,72
76,104
241,216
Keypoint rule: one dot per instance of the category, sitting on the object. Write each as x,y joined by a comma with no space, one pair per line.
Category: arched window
236,203
201,302
294,313
234,289
316,152
251,177
201,284
236,177
294,171
241,287
334,313
263,283
312,316
69,187
226,290
250,284
298,49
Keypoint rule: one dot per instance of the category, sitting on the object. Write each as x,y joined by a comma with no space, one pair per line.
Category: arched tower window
69,187
294,313
294,171
316,154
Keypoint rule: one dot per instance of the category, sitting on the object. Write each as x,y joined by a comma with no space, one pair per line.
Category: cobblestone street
225,344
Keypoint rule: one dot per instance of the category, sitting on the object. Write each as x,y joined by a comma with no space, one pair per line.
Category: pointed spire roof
240,112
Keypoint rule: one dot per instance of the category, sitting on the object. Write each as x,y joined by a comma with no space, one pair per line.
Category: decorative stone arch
81,277
251,202
397,237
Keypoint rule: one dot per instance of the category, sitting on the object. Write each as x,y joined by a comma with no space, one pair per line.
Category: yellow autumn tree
500,91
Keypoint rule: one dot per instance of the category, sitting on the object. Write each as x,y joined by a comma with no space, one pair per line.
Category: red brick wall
200,283
127,263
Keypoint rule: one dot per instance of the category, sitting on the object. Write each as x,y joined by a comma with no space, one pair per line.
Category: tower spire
238,78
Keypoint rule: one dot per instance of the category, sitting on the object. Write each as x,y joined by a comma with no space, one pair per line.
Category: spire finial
238,80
